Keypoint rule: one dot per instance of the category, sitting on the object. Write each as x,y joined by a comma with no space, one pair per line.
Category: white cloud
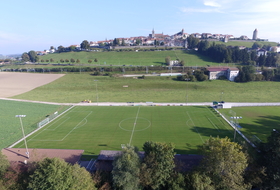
211,3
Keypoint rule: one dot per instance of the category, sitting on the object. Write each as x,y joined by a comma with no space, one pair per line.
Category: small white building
232,73
229,72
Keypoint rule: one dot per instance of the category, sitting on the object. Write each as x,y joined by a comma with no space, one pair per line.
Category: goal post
47,120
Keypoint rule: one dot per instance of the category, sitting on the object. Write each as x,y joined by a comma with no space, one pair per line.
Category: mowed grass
10,127
257,122
77,87
106,128
141,58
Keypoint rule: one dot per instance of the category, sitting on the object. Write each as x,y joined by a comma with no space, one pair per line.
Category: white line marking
134,126
213,124
224,125
76,126
195,127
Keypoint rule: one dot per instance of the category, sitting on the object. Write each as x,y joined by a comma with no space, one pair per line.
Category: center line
134,126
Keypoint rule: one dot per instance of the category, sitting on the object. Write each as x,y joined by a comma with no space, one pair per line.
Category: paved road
233,104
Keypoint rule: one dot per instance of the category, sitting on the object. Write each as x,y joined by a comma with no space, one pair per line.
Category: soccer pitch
106,128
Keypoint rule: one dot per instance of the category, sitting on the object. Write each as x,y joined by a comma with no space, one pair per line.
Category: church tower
255,34
153,33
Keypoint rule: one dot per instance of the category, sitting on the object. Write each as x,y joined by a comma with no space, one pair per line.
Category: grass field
106,128
141,58
257,122
77,87
10,126
245,43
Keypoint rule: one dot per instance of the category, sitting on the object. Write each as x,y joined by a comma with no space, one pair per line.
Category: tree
72,48
77,61
89,61
4,164
72,60
192,42
270,159
167,60
25,57
123,44
158,164
60,49
198,181
116,42
55,173
33,56
224,163
126,169
85,45
256,45
95,60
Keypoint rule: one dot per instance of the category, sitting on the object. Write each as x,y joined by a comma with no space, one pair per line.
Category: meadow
141,58
107,128
10,126
257,122
73,88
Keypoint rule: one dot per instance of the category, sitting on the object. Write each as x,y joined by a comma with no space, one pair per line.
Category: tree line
228,54
224,165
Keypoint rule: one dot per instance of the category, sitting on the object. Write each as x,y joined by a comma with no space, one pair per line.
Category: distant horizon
37,26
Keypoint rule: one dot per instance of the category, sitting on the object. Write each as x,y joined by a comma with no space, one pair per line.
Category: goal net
47,120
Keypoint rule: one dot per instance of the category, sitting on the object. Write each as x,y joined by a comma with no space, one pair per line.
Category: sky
36,25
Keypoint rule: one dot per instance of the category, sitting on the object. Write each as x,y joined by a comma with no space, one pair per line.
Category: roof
19,154
109,155
215,69
183,162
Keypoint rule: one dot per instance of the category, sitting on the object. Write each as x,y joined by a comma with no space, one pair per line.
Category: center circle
139,124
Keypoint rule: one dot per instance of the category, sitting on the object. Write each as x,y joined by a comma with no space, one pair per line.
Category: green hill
141,58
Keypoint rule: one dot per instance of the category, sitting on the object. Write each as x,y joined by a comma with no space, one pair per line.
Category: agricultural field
107,128
257,122
10,126
141,58
73,88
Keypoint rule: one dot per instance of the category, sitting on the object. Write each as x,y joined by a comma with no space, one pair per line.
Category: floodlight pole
20,116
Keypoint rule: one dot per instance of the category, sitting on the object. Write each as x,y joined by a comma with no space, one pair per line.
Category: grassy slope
77,87
96,132
246,44
146,58
10,126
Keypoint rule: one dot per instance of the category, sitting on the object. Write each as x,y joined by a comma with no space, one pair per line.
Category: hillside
248,44
141,58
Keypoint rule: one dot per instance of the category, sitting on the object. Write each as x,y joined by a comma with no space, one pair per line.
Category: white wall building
229,72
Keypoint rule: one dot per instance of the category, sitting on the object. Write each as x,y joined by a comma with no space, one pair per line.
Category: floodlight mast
20,116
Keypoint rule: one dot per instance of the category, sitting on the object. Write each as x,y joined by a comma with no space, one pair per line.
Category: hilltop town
155,39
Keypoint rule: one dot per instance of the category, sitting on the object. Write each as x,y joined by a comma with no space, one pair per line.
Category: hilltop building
255,34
